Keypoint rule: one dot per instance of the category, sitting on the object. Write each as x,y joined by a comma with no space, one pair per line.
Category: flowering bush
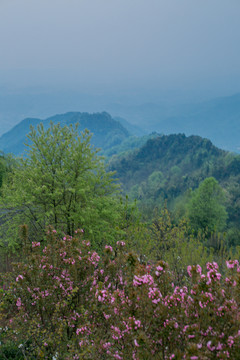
66,302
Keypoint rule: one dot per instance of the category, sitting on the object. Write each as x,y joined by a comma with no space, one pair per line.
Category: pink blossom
138,324
19,302
121,243
19,277
106,316
35,244
86,242
231,263
108,247
81,330
218,275
117,356
199,269
230,341
144,279
136,343
189,270
219,346
211,348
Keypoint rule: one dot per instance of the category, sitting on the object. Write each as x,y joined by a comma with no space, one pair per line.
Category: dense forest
135,255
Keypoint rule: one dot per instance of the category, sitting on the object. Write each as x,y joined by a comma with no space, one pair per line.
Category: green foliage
10,351
175,244
2,170
6,165
127,146
62,182
164,239
206,207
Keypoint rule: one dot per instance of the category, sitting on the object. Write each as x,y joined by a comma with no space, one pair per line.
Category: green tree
7,162
206,207
61,182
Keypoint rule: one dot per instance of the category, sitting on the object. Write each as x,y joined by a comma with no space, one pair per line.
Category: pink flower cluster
232,263
35,244
121,243
105,308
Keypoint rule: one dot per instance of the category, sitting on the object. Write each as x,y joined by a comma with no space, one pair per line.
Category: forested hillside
167,169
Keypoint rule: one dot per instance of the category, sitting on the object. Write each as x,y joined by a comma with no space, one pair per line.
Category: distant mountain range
106,131
217,119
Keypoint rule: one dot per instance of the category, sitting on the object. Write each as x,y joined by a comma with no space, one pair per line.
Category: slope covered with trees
168,168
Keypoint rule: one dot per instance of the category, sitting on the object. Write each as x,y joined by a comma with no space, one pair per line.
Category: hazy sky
101,45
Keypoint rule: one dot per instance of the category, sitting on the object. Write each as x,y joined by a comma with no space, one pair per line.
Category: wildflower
231,263
211,348
199,269
19,277
35,244
109,248
19,302
189,270
136,343
121,243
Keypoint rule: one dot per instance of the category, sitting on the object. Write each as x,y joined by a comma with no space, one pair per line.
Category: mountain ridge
106,131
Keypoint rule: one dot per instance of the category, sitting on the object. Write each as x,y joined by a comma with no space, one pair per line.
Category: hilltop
106,131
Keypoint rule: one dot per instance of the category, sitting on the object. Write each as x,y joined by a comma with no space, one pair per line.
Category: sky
121,46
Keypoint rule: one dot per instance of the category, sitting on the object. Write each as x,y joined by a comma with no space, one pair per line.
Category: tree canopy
206,207
61,182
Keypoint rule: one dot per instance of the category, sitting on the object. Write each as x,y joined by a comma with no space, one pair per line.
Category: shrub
67,302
